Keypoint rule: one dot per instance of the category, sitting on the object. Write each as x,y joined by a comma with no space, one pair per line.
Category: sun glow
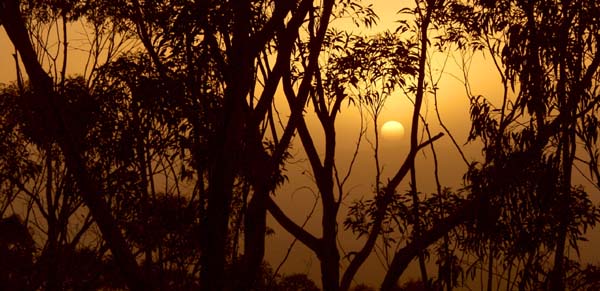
392,130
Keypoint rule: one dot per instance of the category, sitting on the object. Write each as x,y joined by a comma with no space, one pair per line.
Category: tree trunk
329,255
220,192
255,226
227,148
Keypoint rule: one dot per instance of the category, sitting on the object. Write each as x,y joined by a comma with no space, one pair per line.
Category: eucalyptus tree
239,38
55,191
527,135
208,54
364,71
77,127
547,58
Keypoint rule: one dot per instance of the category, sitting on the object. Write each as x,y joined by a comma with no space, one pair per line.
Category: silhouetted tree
212,46
17,250
546,57
160,159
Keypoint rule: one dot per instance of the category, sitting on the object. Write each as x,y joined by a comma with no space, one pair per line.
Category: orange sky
454,109
296,196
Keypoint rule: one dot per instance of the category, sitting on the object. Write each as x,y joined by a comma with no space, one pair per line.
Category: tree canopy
156,165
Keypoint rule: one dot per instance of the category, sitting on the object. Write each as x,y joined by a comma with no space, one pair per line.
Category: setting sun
392,130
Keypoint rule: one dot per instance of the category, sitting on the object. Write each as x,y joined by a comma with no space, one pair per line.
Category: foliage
530,208
184,141
367,69
17,250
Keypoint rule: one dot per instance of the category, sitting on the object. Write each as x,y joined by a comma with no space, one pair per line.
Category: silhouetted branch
362,255
405,255
297,231
289,250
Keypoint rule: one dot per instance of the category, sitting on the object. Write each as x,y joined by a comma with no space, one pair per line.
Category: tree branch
290,226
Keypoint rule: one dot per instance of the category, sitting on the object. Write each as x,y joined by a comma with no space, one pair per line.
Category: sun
392,130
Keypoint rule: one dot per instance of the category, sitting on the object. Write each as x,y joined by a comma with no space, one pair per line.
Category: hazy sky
454,108
7,63
296,197
455,111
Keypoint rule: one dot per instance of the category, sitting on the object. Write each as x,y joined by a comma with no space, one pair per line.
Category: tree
547,60
374,67
44,103
298,282
230,51
161,158
17,250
